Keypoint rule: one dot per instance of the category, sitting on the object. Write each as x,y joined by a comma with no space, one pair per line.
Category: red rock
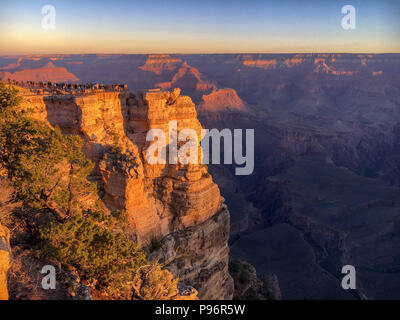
178,203
160,63
48,73
221,99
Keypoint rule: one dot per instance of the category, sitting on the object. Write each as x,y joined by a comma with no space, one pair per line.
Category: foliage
9,97
89,242
153,283
247,285
49,172
47,169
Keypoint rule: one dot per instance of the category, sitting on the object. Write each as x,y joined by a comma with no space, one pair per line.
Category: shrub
9,97
47,169
153,283
89,242
49,172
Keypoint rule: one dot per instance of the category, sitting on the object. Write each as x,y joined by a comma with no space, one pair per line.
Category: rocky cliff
158,63
174,210
49,72
4,261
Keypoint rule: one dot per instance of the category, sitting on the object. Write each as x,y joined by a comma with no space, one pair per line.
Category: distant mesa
12,65
269,62
258,61
158,63
323,68
49,72
364,58
293,62
264,64
209,96
104,56
188,76
319,60
220,100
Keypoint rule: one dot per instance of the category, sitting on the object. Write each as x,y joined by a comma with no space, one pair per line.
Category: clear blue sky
178,26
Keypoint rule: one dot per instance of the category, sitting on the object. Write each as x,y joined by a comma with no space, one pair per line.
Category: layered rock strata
176,206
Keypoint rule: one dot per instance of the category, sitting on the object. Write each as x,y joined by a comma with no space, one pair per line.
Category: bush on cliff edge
48,172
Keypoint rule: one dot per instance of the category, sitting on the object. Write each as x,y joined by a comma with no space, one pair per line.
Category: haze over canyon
326,183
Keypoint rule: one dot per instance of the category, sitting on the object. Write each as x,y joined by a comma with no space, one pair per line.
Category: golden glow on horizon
24,41
199,27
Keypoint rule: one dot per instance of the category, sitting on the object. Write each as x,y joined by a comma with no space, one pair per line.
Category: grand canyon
324,192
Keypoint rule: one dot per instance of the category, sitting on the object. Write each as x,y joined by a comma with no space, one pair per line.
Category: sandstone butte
187,70
178,204
47,73
265,64
221,99
158,63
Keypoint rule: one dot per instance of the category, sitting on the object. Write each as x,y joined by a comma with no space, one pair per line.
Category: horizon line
180,53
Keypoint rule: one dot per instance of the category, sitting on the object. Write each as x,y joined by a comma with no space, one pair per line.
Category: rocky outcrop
248,286
264,64
174,204
5,256
153,283
158,63
221,100
323,68
188,77
293,62
49,72
199,255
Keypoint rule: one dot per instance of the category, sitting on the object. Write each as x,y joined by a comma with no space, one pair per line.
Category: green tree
97,245
46,168
153,283
9,97
48,171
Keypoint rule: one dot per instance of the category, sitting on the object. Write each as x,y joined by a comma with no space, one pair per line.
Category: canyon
177,205
327,176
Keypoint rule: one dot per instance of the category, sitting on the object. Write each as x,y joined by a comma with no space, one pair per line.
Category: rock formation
5,255
221,100
248,286
293,62
264,64
159,63
323,68
178,206
49,72
188,77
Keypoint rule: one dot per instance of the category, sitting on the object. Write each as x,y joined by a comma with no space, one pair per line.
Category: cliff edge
5,254
175,211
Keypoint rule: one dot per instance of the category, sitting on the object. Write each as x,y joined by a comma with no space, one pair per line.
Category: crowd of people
65,88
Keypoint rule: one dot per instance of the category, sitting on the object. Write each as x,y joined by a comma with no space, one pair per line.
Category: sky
203,26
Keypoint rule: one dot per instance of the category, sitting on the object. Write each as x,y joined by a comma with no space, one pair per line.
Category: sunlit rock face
178,205
158,63
5,255
344,107
221,100
49,72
